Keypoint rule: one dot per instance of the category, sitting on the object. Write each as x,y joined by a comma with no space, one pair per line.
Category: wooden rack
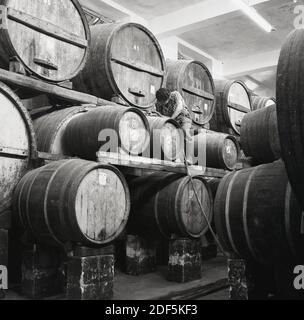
131,165
139,166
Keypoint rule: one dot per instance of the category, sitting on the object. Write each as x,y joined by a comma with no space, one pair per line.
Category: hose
202,209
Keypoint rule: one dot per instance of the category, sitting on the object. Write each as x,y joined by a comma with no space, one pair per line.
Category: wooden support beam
52,90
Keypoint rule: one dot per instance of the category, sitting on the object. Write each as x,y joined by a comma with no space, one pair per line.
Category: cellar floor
154,286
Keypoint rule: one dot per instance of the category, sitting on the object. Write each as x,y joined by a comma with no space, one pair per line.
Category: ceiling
150,9
237,36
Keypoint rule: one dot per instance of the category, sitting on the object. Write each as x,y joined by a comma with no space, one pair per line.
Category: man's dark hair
163,94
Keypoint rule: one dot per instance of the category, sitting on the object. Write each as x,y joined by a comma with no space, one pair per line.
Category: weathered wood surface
139,166
125,60
54,91
167,139
219,150
262,102
165,205
110,128
17,144
258,217
290,81
50,130
260,135
50,39
233,101
73,201
194,82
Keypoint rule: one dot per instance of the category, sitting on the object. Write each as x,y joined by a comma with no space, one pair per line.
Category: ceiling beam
112,10
246,66
194,17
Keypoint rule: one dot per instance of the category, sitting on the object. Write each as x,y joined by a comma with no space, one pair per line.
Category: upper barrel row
116,60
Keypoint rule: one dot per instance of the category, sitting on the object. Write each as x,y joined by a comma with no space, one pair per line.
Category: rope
202,209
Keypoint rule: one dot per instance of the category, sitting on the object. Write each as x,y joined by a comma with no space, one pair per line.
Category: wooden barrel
166,139
233,101
73,201
260,136
17,144
127,128
262,102
258,217
290,80
50,39
125,60
194,82
163,205
50,129
221,150
213,184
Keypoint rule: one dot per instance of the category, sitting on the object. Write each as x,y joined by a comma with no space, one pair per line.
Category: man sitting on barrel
172,105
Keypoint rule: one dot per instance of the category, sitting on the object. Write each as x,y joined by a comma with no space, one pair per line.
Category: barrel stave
222,150
51,127
128,128
262,102
260,135
166,138
166,205
230,95
72,201
17,144
257,216
50,40
126,60
194,82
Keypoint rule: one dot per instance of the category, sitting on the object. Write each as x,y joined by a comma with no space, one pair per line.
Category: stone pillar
237,280
140,256
90,274
43,272
249,281
3,262
209,247
185,262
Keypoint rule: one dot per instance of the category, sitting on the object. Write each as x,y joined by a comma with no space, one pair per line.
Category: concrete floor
153,286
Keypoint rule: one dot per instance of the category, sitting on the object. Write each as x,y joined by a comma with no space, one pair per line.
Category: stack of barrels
259,210
76,199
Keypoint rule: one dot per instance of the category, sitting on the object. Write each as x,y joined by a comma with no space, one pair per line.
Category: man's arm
179,105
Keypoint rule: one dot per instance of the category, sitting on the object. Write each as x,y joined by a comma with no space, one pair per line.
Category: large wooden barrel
50,38
262,102
50,129
127,128
258,217
125,60
194,82
290,81
233,101
163,205
260,136
167,141
17,144
72,201
222,150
